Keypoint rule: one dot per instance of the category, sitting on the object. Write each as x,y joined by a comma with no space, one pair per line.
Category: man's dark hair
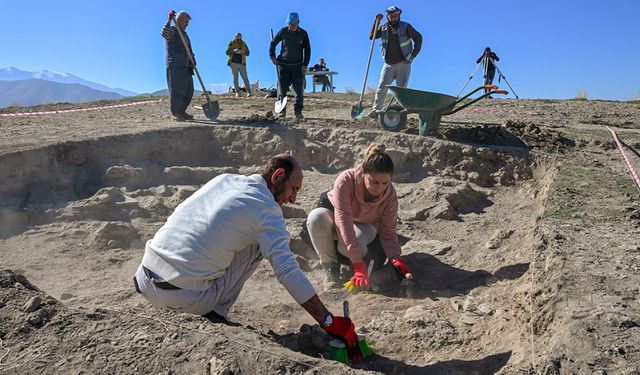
283,161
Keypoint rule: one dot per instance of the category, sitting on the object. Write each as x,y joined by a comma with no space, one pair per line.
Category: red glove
401,268
172,14
360,277
343,329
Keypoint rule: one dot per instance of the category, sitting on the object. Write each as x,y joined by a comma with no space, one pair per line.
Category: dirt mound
445,199
512,133
40,335
537,137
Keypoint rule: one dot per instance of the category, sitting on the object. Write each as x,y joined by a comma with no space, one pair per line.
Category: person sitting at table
321,66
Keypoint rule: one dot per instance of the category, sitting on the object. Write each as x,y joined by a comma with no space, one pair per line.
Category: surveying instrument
485,62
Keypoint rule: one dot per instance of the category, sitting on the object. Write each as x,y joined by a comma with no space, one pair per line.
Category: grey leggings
322,230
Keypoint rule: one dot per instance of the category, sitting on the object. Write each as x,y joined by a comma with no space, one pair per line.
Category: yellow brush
350,286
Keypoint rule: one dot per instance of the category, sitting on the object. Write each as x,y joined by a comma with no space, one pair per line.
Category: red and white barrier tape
21,114
488,110
364,103
632,170
306,99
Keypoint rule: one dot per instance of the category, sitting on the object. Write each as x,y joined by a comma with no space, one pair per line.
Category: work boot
331,278
187,116
373,115
179,118
299,115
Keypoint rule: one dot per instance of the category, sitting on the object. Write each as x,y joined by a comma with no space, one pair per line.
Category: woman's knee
319,219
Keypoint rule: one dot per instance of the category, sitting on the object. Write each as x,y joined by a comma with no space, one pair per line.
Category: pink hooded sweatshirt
347,197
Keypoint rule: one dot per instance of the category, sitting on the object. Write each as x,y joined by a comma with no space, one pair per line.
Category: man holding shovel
214,241
401,43
292,63
179,66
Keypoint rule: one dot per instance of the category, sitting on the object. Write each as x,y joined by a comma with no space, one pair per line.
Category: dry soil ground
520,222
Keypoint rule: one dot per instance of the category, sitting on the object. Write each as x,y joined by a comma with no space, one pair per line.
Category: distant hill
13,74
27,92
165,92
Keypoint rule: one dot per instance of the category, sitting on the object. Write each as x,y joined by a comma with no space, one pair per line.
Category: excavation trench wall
36,180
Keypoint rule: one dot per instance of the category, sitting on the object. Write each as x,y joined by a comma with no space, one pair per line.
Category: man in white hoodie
213,242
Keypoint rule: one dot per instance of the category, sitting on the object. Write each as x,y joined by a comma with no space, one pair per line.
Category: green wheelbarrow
430,106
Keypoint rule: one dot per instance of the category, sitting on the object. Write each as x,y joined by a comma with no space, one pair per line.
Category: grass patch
594,194
601,134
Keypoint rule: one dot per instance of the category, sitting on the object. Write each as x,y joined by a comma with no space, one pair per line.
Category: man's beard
278,190
394,24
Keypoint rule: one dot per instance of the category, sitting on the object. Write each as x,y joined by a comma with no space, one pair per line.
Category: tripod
485,61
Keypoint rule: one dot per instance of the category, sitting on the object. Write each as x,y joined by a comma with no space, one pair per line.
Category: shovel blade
211,110
357,112
280,105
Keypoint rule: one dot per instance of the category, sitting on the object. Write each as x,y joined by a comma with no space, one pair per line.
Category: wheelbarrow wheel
393,119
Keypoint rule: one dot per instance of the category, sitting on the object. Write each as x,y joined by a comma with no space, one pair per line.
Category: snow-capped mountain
13,74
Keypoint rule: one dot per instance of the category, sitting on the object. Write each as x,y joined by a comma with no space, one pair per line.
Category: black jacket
295,48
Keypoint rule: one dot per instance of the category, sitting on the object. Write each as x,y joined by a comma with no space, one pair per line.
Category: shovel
357,111
211,108
281,103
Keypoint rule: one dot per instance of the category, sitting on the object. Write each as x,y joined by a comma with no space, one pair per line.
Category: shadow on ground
434,279
485,366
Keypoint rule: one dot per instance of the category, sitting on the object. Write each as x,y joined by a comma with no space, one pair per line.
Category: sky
548,48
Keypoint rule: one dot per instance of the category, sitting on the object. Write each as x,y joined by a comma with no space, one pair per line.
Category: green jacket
240,44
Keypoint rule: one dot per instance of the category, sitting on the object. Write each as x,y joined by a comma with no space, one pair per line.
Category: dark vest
176,53
406,47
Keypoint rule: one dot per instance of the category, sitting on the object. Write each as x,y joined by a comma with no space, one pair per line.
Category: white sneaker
249,95
237,95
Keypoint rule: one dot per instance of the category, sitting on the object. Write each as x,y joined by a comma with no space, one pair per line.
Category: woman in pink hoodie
361,205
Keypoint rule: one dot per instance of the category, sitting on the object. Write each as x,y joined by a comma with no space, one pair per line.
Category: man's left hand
343,329
304,69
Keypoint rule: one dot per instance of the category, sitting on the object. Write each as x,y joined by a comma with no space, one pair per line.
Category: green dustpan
339,349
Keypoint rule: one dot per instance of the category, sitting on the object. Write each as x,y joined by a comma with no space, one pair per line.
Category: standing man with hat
401,43
179,66
292,62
